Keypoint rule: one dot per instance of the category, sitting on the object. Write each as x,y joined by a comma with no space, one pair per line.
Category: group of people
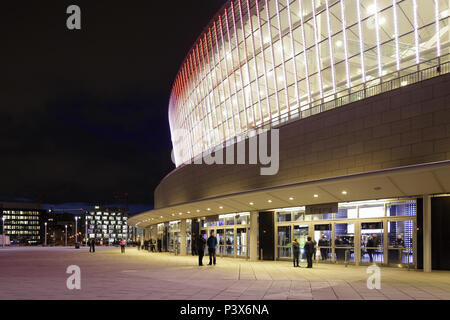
149,245
200,248
92,242
309,248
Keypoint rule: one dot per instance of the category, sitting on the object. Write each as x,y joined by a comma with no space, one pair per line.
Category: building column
253,245
183,250
427,233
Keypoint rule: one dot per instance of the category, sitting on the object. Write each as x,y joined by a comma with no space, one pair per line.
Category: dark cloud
84,113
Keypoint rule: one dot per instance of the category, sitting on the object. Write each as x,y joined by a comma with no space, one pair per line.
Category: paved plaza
40,273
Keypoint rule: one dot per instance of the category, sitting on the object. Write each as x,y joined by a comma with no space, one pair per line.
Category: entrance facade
232,232
382,232
366,232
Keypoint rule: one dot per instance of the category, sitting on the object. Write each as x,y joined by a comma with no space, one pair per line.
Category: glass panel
322,236
346,213
404,208
371,211
284,216
284,241
301,234
344,242
324,216
372,242
400,237
229,242
220,241
243,218
241,242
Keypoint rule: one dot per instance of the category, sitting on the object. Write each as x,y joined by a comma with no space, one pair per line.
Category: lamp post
76,230
45,234
85,232
65,233
3,232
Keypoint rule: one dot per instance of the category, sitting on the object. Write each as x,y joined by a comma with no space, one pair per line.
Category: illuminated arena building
359,91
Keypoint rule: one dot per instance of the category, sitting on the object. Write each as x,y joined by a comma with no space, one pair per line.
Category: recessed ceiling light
198,210
161,217
316,196
173,214
180,213
220,207
344,192
209,209
251,203
188,212
291,198
269,201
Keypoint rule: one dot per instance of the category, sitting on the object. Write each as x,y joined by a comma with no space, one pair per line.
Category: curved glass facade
260,63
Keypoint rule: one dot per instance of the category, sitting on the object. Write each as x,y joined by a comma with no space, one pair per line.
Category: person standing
322,244
122,246
194,244
212,243
201,242
399,243
309,250
92,245
371,244
296,252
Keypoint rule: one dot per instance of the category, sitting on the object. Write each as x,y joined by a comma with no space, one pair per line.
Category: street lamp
3,232
45,234
65,233
85,232
76,230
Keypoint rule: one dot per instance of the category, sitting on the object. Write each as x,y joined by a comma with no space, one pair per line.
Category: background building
108,225
360,93
24,222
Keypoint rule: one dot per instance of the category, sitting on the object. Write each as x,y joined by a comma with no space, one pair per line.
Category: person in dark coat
323,251
201,242
212,243
159,245
371,243
309,251
92,245
194,244
296,252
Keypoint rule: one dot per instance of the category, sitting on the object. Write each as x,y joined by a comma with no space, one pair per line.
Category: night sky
84,113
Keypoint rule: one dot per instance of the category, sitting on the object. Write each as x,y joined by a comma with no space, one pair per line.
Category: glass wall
265,61
232,232
364,232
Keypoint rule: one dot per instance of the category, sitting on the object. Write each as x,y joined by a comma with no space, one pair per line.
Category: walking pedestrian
212,243
122,245
92,245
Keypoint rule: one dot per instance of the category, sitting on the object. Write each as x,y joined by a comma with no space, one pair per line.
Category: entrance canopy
416,180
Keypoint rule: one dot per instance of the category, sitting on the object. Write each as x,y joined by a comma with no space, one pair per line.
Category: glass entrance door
241,242
221,242
344,242
322,236
284,242
229,242
400,242
300,233
372,239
